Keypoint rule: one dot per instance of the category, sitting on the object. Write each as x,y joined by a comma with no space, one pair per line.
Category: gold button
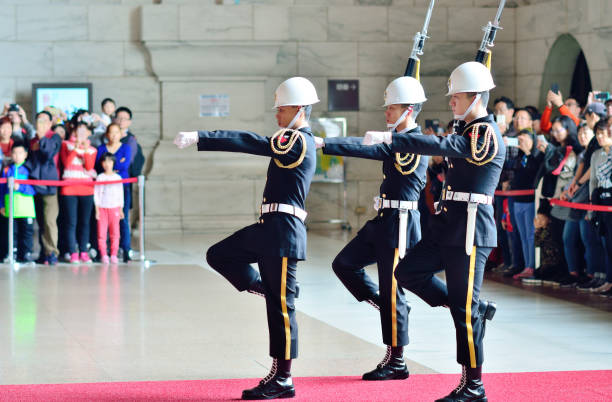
264,199
261,221
381,214
384,195
384,176
449,187
444,211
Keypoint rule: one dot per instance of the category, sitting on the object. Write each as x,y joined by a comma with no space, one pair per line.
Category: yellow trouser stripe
283,298
394,301
468,309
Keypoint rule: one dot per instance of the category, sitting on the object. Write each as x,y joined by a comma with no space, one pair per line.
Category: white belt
380,203
468,197
403,207
284,208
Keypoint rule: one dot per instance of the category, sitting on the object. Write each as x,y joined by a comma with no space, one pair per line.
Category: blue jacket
276,234
399,183
466,173
42,163
18,172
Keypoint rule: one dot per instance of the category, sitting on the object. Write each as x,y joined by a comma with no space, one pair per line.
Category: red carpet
547,386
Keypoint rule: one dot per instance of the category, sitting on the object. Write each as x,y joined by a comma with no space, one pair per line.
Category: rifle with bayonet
488,40
414,63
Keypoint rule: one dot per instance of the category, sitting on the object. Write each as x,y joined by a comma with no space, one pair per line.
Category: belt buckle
274,207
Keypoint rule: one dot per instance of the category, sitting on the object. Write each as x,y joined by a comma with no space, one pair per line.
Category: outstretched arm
287,148
352,146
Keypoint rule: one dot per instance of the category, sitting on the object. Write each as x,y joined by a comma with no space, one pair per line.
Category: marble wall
158,56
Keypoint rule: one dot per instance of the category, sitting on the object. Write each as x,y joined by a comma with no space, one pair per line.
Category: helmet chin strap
399,121
469,109
297,115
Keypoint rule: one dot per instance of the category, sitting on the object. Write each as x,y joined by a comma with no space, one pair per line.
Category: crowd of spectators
73,219
561,153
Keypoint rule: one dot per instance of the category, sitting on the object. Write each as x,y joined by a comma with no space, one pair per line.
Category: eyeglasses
569,104
557,131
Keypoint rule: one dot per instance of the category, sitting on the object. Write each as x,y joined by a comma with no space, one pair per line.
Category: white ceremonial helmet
470,77
404,90
296,91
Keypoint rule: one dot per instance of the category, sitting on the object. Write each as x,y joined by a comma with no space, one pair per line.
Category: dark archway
566,66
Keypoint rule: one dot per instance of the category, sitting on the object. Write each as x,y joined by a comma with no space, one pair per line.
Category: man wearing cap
593,113
462,233
278,241
384,239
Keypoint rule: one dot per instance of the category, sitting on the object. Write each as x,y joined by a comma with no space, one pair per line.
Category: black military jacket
289,176
474,166
404,177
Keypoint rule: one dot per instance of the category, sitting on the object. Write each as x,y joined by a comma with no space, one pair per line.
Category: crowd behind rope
76,221
564,153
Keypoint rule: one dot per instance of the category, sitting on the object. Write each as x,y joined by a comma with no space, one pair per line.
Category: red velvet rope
586,207
61,183
510,193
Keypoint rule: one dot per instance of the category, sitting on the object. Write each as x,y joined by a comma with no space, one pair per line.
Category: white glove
186,138
319,142
377,137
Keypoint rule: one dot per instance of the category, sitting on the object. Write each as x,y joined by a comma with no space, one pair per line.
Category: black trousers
460,293
78,217
349,267
23,233
231,259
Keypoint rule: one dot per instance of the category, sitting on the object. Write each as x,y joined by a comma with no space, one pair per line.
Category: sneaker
74,258
114,259
570,281
603,288
85,257
500,268
607,293
592,284
104,260
511,271
51,259
532,281
526,273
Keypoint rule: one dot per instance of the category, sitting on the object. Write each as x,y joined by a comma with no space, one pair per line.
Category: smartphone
542,138
434,124
500,119
555,88
602,96
512,142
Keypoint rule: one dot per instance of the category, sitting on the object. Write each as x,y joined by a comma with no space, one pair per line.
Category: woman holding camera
78,158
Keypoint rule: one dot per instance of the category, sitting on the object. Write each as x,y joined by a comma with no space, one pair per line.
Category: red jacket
546,125
78,165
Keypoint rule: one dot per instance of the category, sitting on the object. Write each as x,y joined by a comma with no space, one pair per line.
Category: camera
87,119
555,88
434,124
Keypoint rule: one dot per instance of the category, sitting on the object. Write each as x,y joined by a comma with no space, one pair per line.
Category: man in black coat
396,228
462,233
278,241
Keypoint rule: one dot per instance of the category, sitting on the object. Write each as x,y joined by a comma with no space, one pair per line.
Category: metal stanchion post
11,254
141,189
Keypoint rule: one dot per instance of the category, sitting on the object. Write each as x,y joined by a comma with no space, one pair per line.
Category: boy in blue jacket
23,203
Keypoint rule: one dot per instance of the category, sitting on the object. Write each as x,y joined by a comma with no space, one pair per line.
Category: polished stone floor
177,319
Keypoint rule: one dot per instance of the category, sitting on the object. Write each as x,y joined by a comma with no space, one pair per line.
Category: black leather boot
277,384
393,367
257,288
470,388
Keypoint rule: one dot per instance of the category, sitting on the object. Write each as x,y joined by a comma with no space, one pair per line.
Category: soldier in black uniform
384,239
278,241
463,233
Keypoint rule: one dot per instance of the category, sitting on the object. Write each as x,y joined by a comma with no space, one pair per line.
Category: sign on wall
217,105
342,95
